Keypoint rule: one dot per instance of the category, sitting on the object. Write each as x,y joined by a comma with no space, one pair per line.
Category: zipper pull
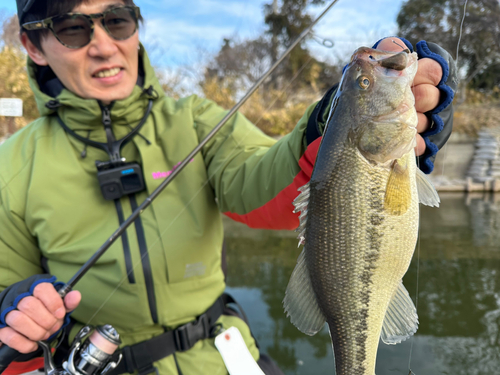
106,117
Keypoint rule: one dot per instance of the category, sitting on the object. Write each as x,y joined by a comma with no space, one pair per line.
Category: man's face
105,69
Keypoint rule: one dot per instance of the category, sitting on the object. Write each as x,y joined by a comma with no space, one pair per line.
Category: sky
184,33
182,28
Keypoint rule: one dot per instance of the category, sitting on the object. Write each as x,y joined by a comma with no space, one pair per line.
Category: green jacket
53,216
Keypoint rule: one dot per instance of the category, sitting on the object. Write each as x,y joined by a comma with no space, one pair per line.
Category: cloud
181,29
351,26
179,40
214,9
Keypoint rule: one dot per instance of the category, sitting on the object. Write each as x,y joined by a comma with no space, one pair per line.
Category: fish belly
356,254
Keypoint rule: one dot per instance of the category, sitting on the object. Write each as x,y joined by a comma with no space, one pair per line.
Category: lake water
457,263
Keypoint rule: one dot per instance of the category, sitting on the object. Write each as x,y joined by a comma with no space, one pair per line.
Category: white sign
11,107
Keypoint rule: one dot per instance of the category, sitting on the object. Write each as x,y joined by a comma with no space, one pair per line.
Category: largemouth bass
359,215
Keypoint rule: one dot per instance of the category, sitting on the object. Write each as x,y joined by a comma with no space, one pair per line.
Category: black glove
13,294
441,117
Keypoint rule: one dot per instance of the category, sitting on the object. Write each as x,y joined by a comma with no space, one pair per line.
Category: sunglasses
75,30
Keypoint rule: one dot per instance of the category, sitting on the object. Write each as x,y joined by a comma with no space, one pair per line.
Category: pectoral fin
427,193
398,189
300,300
401,319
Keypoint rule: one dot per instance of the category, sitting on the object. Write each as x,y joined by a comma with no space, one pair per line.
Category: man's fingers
426,97
37,317
392,44
429,72
36,310
16,341
420,148
72,300
423,123
46,293
23,324
56,327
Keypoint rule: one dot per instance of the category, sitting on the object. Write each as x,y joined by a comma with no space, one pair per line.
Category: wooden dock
467,185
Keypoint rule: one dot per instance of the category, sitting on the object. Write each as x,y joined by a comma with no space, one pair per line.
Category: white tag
11,107
235,353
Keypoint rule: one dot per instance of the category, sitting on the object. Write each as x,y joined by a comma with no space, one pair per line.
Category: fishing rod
106,335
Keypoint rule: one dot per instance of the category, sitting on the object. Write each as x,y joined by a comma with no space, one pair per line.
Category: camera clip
119,179
116,177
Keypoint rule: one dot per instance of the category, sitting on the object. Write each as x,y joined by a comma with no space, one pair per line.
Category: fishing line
325,42
460,35
286,91
398,44
151,248
185,162
444,157
418,165
238,25
456,61
412,340
416,291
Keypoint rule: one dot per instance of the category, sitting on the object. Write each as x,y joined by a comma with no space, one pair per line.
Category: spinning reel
90,354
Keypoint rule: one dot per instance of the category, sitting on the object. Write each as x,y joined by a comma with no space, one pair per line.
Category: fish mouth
398,111
401,110
396,61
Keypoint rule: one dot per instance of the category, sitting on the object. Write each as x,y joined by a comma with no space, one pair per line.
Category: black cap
23,6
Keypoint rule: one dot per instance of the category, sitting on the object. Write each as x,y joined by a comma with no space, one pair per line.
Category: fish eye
364,82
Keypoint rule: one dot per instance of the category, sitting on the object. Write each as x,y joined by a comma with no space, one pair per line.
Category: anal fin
401,319
427,193
300,300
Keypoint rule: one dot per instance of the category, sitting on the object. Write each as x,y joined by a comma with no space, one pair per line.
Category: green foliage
298,81
285,22
488,80
273,111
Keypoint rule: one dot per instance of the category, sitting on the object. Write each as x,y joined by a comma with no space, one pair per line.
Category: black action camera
118,181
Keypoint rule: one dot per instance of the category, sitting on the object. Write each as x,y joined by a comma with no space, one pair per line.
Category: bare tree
440,21
10,32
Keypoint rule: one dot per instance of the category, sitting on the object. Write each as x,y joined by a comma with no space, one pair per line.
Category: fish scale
344,267
362,207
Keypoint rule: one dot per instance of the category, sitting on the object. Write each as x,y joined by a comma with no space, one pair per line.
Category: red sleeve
278,212
16,368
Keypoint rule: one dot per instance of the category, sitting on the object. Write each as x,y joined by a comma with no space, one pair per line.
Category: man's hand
37,317
427,95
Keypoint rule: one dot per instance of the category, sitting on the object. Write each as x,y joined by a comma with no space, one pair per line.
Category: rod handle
7,355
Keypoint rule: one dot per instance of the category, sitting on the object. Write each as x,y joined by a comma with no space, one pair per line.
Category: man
60,198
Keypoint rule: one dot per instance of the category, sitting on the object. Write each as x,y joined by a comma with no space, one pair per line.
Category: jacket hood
86,114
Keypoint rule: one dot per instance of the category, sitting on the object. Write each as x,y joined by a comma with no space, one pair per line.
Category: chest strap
141,356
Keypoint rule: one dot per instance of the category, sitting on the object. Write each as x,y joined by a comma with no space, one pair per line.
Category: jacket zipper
141,238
